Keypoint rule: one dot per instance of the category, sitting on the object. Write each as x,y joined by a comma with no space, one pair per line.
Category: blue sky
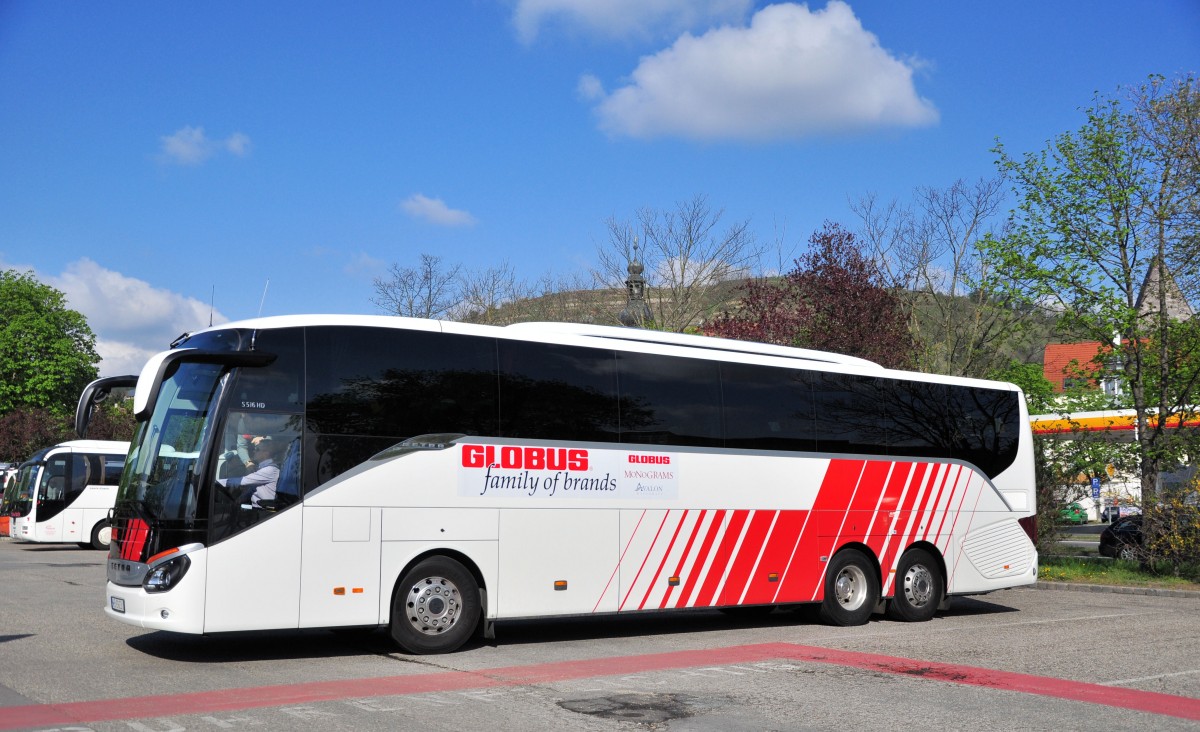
156,156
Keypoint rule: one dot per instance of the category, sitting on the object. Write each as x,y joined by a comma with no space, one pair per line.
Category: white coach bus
64,493
436,477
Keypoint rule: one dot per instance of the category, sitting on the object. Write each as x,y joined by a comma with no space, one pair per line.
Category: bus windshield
22,488
160,481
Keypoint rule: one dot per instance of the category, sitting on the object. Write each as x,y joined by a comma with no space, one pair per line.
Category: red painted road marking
173,705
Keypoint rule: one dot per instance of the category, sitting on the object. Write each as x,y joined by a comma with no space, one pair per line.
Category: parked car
1073,514
1123,539
1109,514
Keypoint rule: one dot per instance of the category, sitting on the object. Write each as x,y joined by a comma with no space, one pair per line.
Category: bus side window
551,391
851,414
245,492
370,388
666,400
54,478
83,467
767,408
112,469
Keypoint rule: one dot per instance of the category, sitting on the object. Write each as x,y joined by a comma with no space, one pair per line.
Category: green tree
1103,213
47,351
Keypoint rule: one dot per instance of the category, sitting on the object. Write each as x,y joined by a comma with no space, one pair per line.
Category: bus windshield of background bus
26,481
160,478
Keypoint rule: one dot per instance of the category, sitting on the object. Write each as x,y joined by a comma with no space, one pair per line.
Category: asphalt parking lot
1018,659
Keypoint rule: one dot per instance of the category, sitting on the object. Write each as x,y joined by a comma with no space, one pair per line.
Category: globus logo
512,457
650,459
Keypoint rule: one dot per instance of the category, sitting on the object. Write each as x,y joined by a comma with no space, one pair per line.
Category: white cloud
191,146
364,265
791,73
589,88
435,210
237,144
132,320
620,18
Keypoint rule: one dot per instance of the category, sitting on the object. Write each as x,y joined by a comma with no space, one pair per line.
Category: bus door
254,556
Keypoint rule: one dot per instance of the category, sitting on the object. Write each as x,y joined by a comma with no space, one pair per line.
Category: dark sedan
1122,539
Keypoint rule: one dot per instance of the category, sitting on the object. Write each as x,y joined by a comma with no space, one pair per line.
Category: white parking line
1122,682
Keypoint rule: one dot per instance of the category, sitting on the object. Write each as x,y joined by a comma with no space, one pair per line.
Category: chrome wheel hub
918,585
850,588
433,605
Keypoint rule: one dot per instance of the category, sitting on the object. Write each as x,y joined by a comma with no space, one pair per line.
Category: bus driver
260,485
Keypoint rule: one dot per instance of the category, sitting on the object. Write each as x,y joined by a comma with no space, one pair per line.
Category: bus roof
601,336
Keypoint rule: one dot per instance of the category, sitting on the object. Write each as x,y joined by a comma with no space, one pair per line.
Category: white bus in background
7,495
64,493
434,478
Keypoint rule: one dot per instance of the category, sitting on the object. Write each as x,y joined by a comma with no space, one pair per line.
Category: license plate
117,603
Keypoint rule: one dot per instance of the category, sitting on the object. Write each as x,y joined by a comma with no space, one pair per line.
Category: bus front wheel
851,590
918,587
436,607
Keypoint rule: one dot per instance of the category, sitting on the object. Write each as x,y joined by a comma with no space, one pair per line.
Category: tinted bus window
922,422
767,408
278,386
988,427
555,392
669,401
850,414
369,388
112,468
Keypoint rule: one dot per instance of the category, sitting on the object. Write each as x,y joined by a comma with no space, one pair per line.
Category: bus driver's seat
287,487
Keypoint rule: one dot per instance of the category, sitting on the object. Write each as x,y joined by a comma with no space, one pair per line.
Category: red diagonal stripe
898,541
747,556
645,559
679,569
666,555
697,571
724,555
775,558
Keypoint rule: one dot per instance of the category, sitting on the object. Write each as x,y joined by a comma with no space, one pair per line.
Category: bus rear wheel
918,587
851,589
436,607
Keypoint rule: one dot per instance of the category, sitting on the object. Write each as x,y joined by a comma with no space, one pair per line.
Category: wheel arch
466,561
94,532
865,551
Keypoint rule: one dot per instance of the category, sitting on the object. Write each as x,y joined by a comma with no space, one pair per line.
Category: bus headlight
166,575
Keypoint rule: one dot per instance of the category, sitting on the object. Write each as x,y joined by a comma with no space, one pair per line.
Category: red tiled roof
1059,356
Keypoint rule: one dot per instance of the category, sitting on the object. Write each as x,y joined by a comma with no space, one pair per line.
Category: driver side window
257,472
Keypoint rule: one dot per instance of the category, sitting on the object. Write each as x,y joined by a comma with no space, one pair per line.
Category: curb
1115,589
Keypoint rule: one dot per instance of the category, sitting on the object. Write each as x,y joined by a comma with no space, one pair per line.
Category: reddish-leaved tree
25,430
834,301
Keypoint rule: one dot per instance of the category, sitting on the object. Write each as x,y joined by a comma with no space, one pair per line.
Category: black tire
435,608
851,589
919,588
101,536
